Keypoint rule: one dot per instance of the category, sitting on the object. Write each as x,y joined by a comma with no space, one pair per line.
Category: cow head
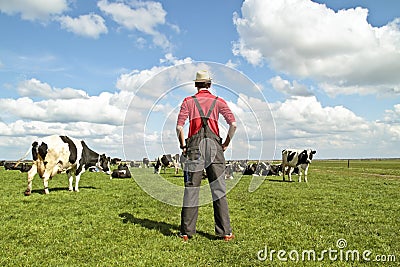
307,156
157,166
104,163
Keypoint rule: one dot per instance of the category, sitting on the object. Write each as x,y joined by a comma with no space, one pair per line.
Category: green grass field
115,223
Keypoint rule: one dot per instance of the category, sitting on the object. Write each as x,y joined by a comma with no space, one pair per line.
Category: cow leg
70,180
290,170
305,174
283,171
300,174
31,174
46,178
77,178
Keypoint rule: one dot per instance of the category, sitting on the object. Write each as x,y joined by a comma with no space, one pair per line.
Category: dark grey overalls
204,151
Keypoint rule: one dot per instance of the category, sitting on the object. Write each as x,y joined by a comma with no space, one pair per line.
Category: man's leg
216,173
190,206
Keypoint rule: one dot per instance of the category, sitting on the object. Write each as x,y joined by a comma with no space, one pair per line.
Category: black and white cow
166,161
20,166
145,162
250,169
116,161
267,169
292,158
121,172
55,154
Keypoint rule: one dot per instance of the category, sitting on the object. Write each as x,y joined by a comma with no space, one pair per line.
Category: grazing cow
146,162
166,161
293,158
55,154
121,172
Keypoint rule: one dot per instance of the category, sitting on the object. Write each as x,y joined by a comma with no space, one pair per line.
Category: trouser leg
216,173
190,206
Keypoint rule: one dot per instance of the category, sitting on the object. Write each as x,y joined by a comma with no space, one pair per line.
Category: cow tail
26,154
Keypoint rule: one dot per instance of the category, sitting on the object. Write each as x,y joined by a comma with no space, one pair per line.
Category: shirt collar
203,91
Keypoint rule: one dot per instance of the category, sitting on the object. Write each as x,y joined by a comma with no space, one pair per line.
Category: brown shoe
229,237
184,237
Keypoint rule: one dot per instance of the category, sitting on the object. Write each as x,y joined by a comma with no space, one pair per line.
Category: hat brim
202,80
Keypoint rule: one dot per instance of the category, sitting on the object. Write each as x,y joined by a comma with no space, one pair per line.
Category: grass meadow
340,214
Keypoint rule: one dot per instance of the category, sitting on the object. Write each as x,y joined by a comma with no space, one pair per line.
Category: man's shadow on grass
163,227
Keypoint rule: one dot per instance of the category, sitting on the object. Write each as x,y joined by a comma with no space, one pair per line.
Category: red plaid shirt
205,98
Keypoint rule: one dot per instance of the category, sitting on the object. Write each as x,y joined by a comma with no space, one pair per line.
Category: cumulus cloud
141,122
95,109
335,132
393,116
308,40
36,88
34,9
133,80
284,86
144,17
90,25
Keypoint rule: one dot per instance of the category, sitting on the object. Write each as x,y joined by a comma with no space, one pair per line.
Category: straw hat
203,76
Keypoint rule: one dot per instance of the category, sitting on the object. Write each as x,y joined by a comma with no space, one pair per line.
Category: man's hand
231,132
224,147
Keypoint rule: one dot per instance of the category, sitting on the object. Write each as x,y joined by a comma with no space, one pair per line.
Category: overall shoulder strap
204,118
212,107
198,106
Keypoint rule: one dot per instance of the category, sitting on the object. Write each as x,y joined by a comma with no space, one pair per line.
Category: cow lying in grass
121,172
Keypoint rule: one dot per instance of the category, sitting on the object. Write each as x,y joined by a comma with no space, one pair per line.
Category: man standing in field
204,149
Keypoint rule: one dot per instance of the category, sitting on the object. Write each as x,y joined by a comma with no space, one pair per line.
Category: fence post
348,163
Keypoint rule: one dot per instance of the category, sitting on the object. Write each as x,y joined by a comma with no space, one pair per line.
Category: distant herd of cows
293,161
58,154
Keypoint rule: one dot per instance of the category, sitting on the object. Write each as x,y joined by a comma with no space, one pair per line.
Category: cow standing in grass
166,161
296,158
55,154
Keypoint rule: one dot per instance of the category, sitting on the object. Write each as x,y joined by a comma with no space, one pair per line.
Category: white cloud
105,121
393,116
34,9
335,132
90,25
139,16
35,88
137,78
309,40
284,86
105,108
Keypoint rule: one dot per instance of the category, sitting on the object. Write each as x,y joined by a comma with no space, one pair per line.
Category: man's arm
181,137
229,136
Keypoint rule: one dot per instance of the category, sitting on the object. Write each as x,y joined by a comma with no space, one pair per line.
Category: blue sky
326,71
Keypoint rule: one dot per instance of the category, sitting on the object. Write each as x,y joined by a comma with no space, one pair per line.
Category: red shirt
205,98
